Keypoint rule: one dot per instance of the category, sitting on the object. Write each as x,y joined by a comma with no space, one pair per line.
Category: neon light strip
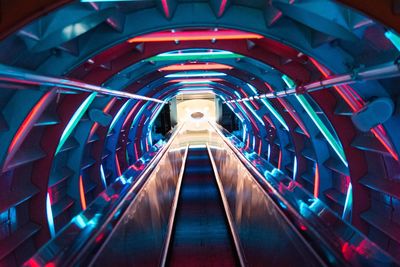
322,128
275,113
130,114
355,102
195,81
254,113
222,8
119,173
292,113
50,218
294,168
259,147
103,176
195,36
75,120
195,88
252,89
82,193
394,38
194,56
165,7
119,113
269,152
317,121
26,126
294,116
105,110
280,159
316,181
197,66
195,74
348,204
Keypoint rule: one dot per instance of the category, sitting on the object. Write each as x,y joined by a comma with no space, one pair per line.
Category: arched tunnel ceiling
307,136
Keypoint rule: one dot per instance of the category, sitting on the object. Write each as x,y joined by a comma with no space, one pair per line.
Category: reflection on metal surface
337,241
271,215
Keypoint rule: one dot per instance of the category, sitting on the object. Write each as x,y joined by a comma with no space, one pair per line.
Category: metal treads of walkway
201,235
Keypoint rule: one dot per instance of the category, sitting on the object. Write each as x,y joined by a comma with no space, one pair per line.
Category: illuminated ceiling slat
194,56
208,66
204,35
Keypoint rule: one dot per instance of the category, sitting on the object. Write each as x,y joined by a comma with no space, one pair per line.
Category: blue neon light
50,218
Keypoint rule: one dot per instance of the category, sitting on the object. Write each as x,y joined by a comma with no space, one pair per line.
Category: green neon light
275,113
318,122
394,38
120,112
74,120
194,56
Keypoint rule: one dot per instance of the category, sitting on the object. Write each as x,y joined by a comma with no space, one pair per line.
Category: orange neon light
183,67
204,35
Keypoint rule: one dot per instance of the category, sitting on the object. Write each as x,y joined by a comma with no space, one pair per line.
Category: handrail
171,219
82,234
236,241
16,75
331,238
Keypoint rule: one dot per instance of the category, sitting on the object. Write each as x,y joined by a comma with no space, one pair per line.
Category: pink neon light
82,193
27,125
269,121
199,35
355,102
165,7
259,147
222,7
206,66
316,181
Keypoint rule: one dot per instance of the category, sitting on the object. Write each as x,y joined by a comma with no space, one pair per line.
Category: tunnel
199,133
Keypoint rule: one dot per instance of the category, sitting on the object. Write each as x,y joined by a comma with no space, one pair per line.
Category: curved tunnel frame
326,100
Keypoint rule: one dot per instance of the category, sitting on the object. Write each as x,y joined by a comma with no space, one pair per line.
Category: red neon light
82,193
119,173
27,125
165,7
203,35
222,7
356,102
259,147
206,66
316,181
